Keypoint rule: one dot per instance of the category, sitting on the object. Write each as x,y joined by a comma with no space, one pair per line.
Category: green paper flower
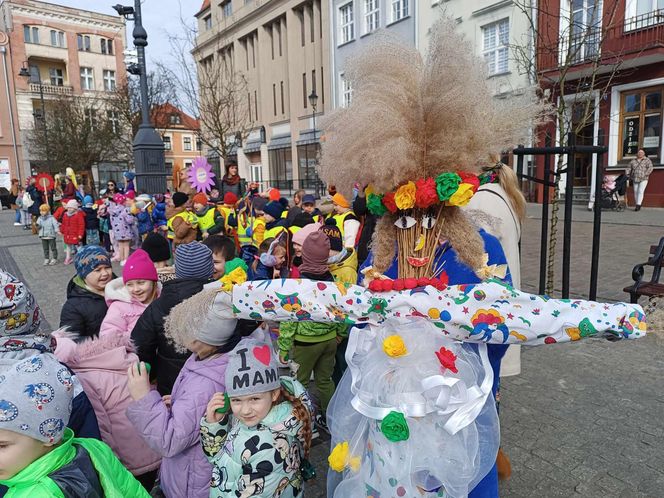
394,427
446,185
375,205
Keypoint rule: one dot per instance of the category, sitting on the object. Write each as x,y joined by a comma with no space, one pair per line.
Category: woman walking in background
639,171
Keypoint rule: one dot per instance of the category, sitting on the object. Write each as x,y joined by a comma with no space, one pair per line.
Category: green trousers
317,357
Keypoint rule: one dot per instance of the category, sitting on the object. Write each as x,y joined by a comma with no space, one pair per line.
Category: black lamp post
313,101
25,73
148,145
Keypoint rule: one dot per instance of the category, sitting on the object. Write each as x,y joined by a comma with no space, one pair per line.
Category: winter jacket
91,220
360,209
640,169
73,227
261,461
144,220
182,228
101,365
36,197
104,219
238,189
345,271
210,220
159,214
84,310
69,192
48,227
123,310
75,468
122,222
149,337
174,433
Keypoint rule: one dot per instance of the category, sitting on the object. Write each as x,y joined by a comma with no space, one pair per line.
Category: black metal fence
549,179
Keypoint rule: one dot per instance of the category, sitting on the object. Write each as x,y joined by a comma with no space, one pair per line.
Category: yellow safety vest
226,212
274,232
206,221
340,219
245,234
184,214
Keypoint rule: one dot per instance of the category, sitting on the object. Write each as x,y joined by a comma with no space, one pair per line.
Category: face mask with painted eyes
417,237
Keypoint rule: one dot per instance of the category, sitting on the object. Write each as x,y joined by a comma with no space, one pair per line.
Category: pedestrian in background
231,182
49,228
123,225
640,169
13,197
91,221
72,229
35,201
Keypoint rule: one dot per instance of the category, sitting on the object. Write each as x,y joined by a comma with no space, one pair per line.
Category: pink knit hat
119,198
139,266
304,232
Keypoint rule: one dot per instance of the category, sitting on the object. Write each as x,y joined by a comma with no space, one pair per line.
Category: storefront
280,159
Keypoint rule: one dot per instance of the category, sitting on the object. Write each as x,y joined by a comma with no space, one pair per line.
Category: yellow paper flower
462,196
237,276
340,458
404,197
394,346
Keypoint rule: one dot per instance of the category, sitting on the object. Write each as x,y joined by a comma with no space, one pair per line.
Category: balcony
51,89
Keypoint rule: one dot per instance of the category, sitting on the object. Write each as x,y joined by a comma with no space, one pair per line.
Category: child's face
141,290
297,249
198,206
18,451
98,278
308,208
71,210
253,408
43,213
219,263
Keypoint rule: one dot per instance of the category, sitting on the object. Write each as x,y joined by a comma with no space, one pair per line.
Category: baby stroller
614,189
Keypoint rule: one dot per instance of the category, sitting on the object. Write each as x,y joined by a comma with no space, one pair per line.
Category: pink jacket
123,311
101,365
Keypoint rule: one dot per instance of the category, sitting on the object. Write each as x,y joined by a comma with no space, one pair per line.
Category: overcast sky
159,18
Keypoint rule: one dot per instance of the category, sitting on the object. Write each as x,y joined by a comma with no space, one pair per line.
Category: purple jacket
122,222
174,433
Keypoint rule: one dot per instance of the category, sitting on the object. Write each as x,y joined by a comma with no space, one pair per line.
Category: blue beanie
88,201
274,209
89,258
129,175
193,260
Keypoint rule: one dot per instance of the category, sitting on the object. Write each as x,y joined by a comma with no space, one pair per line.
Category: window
169,169
495,40
313,81
300,15
91,118
399,9
371,15
57,38
283,109
253,52
87,79
641,123
256,104
175,119
582,36
114,120
186,143
227,9
35,77
304,89
643,13
106,46
322,86
83,42
312,16
279,33
274,97
31,34
249,103
109,80
207,21
167,142
272,35
57,76
346,23
345,90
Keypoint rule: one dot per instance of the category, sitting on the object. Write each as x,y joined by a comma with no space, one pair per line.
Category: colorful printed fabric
19,312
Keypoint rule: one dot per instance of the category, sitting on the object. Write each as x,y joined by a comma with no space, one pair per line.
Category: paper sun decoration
45,182
200,175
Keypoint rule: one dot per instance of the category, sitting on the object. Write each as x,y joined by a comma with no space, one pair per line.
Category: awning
280,142
309,137
250,147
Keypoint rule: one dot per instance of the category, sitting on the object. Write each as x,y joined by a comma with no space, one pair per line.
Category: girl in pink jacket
128,297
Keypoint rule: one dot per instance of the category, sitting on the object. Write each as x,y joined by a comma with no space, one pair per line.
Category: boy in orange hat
344,219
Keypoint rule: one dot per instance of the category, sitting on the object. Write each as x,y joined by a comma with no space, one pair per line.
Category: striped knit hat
193,260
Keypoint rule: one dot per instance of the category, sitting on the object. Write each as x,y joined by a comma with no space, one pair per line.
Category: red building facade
611,53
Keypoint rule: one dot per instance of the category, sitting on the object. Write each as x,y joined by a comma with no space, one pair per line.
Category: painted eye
428,222
405,222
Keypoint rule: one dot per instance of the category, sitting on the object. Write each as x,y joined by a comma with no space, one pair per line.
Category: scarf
231,180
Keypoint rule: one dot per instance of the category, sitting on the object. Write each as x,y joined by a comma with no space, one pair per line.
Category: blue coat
145,224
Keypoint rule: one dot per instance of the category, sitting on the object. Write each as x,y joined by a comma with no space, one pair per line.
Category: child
159,251
257,448
25,216
123,225
159,214
210,221
343,260
72,229
274,223
309,207
298,239
182,227
104,224
313,345
127,297
39,455
170,425
269,263
49,228
223,250
91,222
226,207
143,216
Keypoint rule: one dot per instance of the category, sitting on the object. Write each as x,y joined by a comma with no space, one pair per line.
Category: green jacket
306,331
35,481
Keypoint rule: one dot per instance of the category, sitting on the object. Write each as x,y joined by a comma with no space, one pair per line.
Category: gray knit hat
193,260
252,368
36,398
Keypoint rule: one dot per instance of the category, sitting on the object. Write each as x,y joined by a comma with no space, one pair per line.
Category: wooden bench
653,287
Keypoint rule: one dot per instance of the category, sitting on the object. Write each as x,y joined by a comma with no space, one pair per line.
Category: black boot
638,207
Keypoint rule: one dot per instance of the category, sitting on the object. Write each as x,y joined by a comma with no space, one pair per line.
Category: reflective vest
189,217
226,212
245,234
206,221
274,232
340,219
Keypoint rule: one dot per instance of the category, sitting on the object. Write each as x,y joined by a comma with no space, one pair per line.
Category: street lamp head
123,10
313,99
24,72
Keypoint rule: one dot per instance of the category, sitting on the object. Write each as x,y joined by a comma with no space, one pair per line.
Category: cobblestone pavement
582,420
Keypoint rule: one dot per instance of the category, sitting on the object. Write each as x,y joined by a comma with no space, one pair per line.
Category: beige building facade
66,51
281,48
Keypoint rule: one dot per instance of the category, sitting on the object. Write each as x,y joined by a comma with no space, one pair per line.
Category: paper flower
389,202
394,427
470,178
426,195
446,185
235,277
404,197
340,458
463,195
394,346
375,205
200,175
447,359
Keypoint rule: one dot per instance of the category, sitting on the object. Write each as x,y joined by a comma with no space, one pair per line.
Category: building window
274,97
253,51
399,10
346,23
256,104
207,20
167,142
109,80
227,9
300,15
641,123
249,104
169,169
106,46
495,41
174,119
83,42
35,77
114,120
272,35
91,118
371,15
279,33
57,39
186,144
643,13
283,109
345,90
87,79
57,76
584,30
312,16
31,34
304,89
322,86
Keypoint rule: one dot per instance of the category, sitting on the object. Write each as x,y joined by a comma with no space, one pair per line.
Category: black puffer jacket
150,339
368,227
37,201
83,311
